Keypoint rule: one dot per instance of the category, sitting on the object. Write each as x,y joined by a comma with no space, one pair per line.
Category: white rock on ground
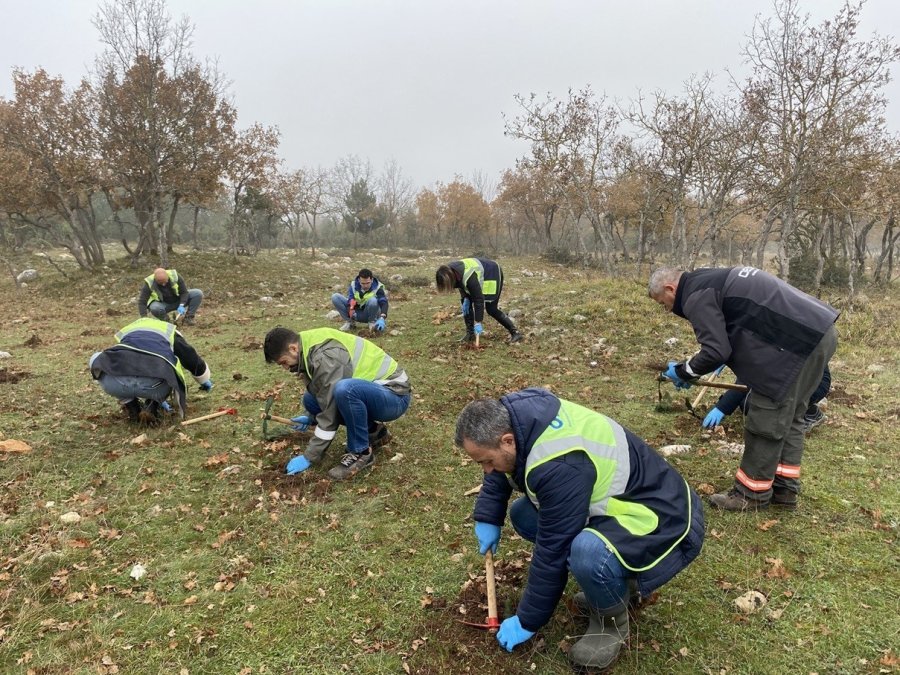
27,276
333,314
70,518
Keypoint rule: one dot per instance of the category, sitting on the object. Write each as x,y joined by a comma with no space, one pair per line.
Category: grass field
250,571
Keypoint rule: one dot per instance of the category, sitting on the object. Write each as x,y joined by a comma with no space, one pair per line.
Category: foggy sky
425,82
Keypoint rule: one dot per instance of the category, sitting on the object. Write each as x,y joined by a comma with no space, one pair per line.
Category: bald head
160,276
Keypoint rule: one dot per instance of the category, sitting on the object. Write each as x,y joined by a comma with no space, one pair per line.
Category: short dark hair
366,273
277,342
444,279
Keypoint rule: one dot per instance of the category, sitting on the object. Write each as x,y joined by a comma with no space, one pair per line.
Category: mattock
493,621
211,416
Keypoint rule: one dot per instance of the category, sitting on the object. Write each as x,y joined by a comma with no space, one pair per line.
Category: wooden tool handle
711,385
491,588
477,340
705,387
206,417
276,418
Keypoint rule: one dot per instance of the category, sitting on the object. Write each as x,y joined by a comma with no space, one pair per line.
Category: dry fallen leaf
139,440
767,525
192,600
15,447
750,602
70,518
777,569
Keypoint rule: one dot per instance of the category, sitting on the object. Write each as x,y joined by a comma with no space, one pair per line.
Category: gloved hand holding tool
672,375
488,537
301,422
380,324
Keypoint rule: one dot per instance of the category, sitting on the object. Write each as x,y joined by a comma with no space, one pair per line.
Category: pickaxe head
492,625
228,411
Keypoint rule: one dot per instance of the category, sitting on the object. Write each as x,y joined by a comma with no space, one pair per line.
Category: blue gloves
206,386
677,381
466,305
301,423
379,324
165,406
479,329
511,633
297,465
181,310
488,537
713,418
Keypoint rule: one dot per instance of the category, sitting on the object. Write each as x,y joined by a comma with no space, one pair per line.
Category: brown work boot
733,500
786,499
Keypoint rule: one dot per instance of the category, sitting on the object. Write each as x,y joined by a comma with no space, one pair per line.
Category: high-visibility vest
163,328
473,266
576,428
363,297
369,361
154,296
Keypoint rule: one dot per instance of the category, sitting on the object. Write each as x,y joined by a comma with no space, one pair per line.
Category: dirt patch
33,341
13,376
295,487
250,344
840,395
113,312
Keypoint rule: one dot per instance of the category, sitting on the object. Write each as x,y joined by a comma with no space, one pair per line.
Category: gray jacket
763,328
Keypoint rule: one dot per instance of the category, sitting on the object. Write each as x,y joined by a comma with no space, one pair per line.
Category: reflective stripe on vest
164,328
368,360
576,428
473,266
154,296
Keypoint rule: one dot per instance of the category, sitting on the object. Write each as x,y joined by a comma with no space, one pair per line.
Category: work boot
189,321
516,337
733,500
133,409
351,464
607,631
149,415
380,436
468,337
786,499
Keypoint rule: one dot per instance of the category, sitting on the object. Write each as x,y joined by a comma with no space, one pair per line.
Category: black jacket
761,327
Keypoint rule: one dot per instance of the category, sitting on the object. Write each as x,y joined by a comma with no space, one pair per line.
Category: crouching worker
350,381
599,503
149,363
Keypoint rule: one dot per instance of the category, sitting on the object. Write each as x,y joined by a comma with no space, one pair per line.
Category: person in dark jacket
777,340
149,363
599,503
366,301
479,282
733,399
166,291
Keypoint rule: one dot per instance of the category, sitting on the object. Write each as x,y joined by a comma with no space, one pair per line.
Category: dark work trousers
773,430
493,310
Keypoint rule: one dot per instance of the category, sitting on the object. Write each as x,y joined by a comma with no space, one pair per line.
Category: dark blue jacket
564,486
377,287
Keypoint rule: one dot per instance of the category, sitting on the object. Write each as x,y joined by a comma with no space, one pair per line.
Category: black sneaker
133,408
149,416
786,499
813,418
351,464
468,337
516,337
189,321
381,436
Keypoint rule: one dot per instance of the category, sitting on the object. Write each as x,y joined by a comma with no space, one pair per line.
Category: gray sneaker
351,464
348,325
813,419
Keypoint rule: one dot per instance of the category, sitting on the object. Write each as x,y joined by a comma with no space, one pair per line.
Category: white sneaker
347,325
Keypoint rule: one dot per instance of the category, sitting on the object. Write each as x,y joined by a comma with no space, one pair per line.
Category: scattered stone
515,313
750,602
396,277
70,518
266,298
875,368
731,448
137,572
139,440
27,276
671,342
669,450
579,317
397,457
333,314
394,332
5,355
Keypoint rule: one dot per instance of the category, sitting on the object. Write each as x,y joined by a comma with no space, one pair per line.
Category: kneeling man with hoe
350,381
599,503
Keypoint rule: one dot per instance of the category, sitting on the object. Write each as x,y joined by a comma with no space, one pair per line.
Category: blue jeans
160,309
361,404
128,387
596,569
364,313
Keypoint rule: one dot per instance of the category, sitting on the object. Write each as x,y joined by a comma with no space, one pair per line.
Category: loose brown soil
13,376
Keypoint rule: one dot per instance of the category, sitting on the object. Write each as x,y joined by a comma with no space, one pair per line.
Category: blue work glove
297,465
718,371
165,406
379,324
677,381
206,386
713,418
479,329
466,305
488,537
301,422
181,310
511,633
